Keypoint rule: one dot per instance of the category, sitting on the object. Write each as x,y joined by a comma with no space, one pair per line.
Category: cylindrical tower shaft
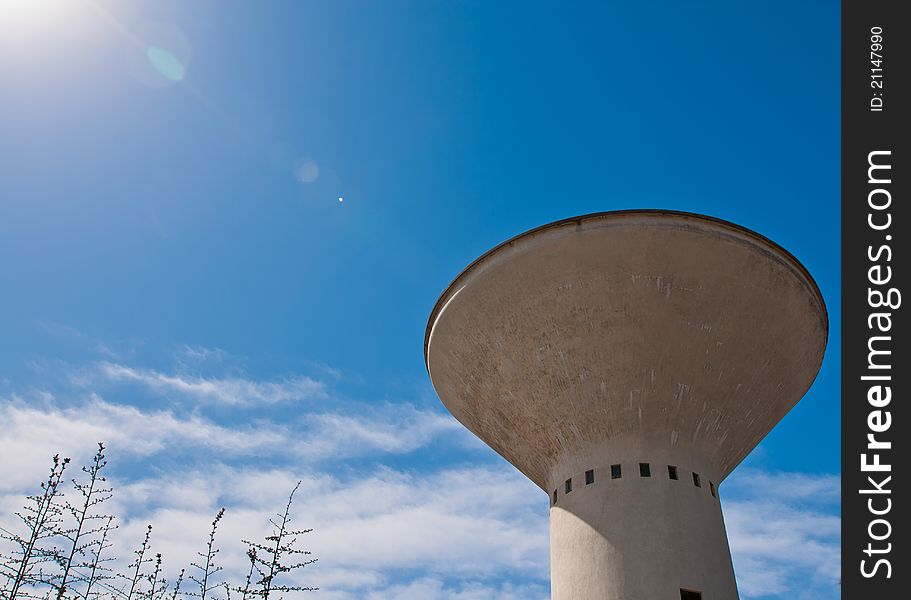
639,521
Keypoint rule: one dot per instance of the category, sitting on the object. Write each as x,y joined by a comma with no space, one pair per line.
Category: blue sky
177,267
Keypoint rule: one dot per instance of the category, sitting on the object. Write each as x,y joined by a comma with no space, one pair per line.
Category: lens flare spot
307,171
159,55
165,63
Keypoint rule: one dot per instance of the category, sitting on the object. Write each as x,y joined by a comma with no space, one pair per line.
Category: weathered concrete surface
637,336
638,537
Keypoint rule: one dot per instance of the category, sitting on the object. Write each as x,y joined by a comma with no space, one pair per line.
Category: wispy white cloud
202,354
232,391
383,533
817,488
74,336
38,427
784,533
386,535
32,434
429,588
391,428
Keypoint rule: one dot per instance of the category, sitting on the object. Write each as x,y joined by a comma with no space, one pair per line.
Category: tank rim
601,215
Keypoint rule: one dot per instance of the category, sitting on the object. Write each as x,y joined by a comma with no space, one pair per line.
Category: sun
24,12
28,18
32,28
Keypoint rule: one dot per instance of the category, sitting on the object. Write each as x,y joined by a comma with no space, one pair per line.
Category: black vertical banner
876,370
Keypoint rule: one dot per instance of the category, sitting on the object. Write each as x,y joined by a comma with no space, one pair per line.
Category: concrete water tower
626,362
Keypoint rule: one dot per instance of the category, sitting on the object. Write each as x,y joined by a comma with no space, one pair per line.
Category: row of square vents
645,470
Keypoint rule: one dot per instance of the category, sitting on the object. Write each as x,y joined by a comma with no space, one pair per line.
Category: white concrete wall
637,538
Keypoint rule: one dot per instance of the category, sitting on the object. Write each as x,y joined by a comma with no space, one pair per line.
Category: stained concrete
627,337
